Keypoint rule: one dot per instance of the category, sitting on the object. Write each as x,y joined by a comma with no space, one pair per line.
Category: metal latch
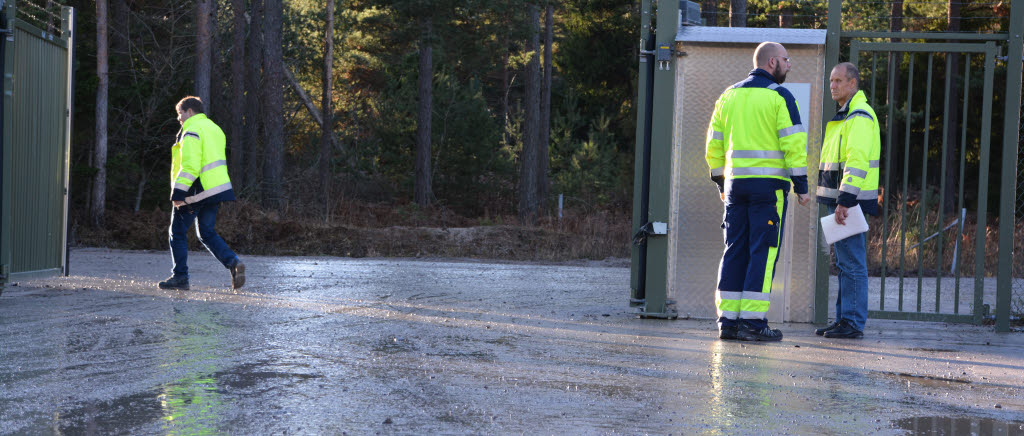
651,228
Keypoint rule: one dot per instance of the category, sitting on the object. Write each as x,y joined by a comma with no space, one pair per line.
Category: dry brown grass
372,230
930,250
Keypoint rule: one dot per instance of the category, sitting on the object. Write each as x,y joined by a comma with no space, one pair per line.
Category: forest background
480,128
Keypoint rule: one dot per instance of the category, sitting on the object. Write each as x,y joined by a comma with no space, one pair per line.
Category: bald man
756,150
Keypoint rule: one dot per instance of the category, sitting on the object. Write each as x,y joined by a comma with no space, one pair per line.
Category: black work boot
746,332
727,332
175,282
844,331
237,275
828,328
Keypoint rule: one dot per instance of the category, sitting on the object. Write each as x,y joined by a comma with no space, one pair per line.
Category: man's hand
722,196
178,203
841,214
803,199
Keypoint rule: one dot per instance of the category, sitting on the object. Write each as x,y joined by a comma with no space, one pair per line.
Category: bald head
773,58
765,52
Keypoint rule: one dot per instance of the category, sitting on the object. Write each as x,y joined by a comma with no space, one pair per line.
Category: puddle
924,380
944,425
934,350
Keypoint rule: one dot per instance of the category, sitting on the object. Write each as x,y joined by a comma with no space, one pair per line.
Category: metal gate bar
924,182
960,197
906,178
942,183
1011,136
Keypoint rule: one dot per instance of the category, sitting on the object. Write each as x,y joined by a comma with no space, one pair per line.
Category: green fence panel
36,144
37,193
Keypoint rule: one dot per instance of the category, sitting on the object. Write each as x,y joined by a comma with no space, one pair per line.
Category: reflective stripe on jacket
199,169
850,153
755,131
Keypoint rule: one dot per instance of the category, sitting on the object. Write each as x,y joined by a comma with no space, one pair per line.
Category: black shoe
747,333
175,282
237,275
829,328
727,332
844,331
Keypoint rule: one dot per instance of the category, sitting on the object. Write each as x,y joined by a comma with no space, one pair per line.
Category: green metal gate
923,274
37,54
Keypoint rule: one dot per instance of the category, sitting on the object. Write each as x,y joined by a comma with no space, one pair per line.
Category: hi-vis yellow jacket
199,167
756,132
848,173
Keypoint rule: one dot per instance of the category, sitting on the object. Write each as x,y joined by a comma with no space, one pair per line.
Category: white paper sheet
855,223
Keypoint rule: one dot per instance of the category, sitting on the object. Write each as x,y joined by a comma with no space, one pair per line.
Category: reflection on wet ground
327,346
944,425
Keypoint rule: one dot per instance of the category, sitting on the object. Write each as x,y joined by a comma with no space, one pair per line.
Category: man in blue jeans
848,177
199,183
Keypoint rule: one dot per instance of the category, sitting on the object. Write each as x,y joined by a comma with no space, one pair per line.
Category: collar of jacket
193,119
856,100
762,73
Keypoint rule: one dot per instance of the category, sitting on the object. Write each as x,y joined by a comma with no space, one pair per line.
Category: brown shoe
238,275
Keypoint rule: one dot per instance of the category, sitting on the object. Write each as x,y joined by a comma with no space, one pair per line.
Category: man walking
847,177
199,183
756,147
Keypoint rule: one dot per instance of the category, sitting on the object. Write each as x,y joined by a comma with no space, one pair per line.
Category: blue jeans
852,261
205,216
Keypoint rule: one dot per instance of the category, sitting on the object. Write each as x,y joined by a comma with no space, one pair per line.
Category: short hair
764,53
190,102
851,71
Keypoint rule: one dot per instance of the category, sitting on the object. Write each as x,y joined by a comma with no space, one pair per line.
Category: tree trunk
893,127
423,194
738,13
327,134
118,28
237,91
203,43
786,17
216,107
545,109
952,158
307,101
710,13
531,124
99,187
253,99
504,87
273,105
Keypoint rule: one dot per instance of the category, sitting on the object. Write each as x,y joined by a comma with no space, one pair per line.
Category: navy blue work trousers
753,223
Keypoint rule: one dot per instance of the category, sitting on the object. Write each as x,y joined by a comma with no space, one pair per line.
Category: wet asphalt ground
404,346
